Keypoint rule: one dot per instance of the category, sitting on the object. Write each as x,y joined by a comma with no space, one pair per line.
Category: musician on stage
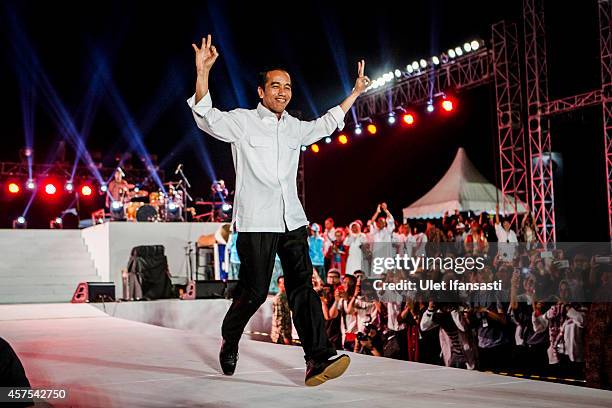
118,188
268,215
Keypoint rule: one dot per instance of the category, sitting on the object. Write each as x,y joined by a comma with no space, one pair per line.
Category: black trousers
257,251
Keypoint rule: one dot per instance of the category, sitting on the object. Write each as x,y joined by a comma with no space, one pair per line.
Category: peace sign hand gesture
362,81
206,55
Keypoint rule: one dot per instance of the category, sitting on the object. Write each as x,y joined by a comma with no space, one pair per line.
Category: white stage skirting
104,361
110,244
203,316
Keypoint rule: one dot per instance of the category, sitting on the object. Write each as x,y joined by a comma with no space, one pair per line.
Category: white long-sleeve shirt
266,153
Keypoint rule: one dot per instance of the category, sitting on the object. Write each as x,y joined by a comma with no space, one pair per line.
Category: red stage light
372,128
409,119
50,188
447,105
86,191
13,188
343,139
315,148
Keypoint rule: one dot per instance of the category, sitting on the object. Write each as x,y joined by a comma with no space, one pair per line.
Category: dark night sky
144,49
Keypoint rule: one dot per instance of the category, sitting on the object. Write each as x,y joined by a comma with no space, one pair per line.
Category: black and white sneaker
317,372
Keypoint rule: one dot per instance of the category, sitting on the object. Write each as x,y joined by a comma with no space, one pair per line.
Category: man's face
329,224
403,229
277,92
355,228
506,225
117,176
333,279
381,223
338,236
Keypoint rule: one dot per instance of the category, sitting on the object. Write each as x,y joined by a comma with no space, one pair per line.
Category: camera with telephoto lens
362,336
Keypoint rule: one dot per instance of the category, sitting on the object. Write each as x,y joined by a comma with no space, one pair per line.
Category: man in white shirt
506,238
265,145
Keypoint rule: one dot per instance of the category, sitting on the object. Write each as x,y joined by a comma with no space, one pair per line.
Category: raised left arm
314,130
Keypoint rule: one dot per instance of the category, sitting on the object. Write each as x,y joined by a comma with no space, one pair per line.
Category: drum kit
157,206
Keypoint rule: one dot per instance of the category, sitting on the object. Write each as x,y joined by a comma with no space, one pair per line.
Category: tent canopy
462,188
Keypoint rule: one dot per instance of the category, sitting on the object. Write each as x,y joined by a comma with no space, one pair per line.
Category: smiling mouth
281,100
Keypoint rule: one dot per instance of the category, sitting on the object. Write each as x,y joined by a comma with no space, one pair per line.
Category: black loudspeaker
212,289
150,266
94,292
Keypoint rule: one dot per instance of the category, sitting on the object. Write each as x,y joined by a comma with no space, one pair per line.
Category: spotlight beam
28,62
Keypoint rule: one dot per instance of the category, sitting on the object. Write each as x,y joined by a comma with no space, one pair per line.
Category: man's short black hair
263,75
279,278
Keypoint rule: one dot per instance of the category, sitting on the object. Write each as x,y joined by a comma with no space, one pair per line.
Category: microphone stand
184,185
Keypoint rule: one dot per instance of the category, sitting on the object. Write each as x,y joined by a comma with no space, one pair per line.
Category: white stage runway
106,361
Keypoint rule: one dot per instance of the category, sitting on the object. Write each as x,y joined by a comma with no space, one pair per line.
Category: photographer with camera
458,348
369,342
332,325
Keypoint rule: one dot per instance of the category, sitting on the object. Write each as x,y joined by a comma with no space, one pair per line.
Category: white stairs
42,266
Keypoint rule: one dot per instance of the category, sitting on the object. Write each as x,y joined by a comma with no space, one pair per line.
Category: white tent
462,188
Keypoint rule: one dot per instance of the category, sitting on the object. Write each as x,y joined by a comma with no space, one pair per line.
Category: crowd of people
550,318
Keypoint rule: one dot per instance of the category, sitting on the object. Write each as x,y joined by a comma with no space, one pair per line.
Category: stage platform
106,361
44,266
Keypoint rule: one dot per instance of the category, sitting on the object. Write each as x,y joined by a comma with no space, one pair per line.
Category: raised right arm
225,126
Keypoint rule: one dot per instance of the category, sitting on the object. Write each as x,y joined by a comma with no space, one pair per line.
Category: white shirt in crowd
503,235
393,311
355,261
266,153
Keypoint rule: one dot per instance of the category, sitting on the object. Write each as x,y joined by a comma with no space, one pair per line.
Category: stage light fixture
409,69
372,129
303,148
315,148
30,184
226,207
398,73
391,118
56,223
435,60
86,190
451,53
467,47
20,223
103,188
448,105
408,119
423,63
458,51
415,65
343,139
69,186
475,45
328,140
430,107
358,130
444,58
13,188
50,188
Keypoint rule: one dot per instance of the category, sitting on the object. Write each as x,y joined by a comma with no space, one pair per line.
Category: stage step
43,265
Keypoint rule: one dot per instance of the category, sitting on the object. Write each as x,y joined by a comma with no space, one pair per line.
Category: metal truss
605,48
571,103
538,126
512,152
469,71
21,171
